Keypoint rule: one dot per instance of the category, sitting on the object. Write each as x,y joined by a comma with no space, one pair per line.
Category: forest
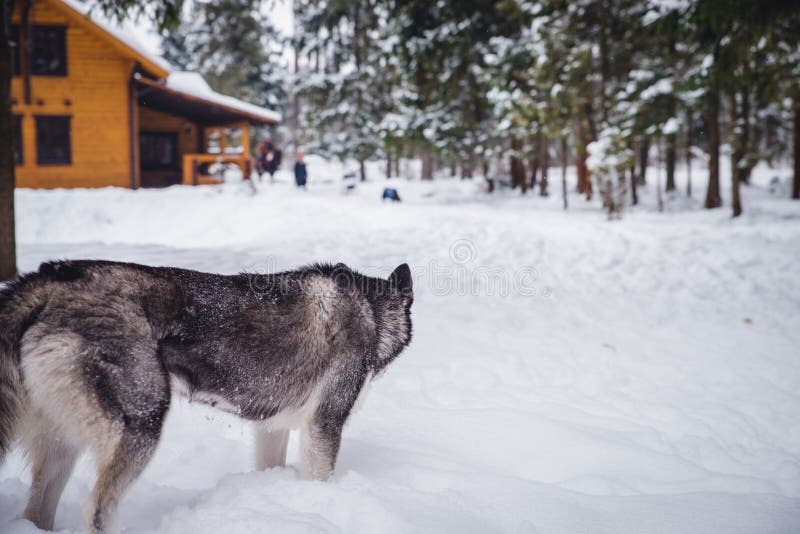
507,89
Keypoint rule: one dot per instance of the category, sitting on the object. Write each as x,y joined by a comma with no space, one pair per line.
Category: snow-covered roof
188,83
193,84
124,33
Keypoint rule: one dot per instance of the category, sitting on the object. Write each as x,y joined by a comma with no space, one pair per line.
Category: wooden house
92,108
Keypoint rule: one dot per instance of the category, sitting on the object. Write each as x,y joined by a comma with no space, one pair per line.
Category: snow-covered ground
567,374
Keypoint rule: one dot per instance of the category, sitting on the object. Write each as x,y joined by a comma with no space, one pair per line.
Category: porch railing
192,164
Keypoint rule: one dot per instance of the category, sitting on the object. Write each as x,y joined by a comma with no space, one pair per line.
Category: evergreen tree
234,46
342,79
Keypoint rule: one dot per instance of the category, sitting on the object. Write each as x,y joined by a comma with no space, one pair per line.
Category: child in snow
300,171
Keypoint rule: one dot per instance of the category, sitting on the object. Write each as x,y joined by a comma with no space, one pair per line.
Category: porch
186,137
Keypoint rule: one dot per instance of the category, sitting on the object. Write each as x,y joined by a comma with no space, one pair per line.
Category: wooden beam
246,150
26,36
245,138
133,129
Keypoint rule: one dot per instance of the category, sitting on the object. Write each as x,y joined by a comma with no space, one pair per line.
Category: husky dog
91,350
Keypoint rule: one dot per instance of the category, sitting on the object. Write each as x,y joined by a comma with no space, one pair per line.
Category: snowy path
567,374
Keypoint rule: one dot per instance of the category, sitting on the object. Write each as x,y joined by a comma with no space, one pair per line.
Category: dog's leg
109,397
53,458
319,443
321,434
271,447
136,390
119,464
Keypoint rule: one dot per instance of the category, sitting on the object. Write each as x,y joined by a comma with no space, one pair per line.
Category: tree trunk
295,122
8,255
397,161
453,168
466,169
689,153
581,155
644,154
659,196
671,155
604,60
427,166
634,195
517,167
738,133
564,170
713,198
362,170
746,166
796,145
388,163
545,164
534,162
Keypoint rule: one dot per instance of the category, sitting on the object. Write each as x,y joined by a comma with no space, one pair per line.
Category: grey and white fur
91,351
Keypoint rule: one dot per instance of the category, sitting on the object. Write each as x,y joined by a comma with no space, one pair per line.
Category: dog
91,351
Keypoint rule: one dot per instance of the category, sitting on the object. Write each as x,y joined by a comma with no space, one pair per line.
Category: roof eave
250,118
146,64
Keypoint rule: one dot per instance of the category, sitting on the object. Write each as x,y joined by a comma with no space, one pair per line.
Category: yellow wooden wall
97,88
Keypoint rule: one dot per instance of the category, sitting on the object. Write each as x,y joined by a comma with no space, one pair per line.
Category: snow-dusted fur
90,352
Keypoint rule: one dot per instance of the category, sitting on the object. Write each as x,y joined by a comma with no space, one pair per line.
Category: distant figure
274,162
264,154
776,186
390,193
349,180
268,158
300,171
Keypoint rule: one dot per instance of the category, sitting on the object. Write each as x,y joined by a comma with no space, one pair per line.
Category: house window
18,157
53,140
16,49
49,51
159,151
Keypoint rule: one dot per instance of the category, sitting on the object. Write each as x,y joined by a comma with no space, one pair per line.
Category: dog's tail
20,304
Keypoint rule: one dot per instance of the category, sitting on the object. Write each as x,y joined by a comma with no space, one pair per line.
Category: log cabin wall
94,94
187,133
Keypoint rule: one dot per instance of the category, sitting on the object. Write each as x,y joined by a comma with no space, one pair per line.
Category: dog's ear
400,279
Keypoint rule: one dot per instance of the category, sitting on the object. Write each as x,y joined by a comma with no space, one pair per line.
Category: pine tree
342,77
234,46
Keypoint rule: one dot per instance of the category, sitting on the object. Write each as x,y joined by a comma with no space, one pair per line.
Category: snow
660,87
567,374
671,126
192,83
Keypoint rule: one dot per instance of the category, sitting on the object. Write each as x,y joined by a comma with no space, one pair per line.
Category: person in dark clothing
264,155
300,171
274,162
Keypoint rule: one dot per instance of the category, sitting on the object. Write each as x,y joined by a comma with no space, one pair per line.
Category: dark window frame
63,70
16,53
43,129
19,147
175,165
